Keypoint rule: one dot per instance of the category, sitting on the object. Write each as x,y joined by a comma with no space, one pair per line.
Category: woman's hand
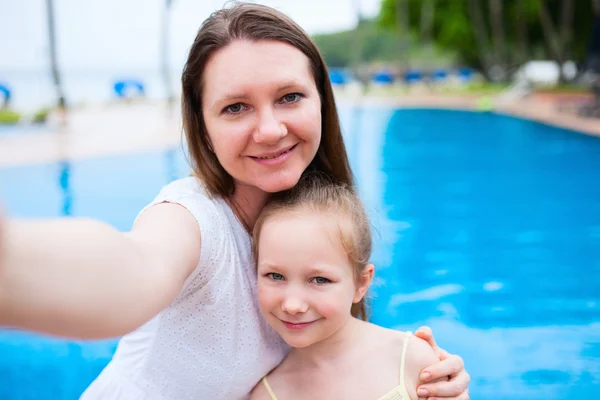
450,366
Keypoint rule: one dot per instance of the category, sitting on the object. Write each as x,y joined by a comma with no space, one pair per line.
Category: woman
258,112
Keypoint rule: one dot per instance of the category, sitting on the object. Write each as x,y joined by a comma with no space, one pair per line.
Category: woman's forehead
244,66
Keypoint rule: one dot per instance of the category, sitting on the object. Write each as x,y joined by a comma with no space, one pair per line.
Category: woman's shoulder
187,186
210,214
191,193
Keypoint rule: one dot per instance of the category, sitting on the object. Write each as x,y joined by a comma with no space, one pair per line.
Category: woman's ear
364,281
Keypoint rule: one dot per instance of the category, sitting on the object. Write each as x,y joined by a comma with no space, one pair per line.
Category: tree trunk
403,23
60,97
566,27
596,6
522,47
481,35
497,23
356,60
402,17
427,15
552,41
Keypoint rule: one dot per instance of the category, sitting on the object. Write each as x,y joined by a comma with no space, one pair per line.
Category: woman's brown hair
254,22
318,193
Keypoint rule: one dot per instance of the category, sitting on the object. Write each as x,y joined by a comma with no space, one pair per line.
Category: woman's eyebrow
286,85
230,97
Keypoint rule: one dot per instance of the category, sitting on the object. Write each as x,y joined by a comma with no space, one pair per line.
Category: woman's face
262,112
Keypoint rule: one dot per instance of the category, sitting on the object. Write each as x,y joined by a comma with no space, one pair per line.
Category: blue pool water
487,228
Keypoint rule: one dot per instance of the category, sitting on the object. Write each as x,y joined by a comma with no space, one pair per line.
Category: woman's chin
279,184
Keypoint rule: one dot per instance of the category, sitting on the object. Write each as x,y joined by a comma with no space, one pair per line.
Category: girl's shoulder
415,351
404,346
260,391
390,339
413,354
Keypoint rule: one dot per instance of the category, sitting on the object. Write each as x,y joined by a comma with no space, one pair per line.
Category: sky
114,34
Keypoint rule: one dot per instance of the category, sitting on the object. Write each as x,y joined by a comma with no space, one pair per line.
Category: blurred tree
365,44
481,34
426,23
403,25
60,96
557,41
519,29
521,50
497,23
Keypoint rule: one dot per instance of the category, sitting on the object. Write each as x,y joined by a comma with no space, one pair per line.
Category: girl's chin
298,343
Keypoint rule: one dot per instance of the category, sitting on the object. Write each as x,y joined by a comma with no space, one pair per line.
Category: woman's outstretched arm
82,278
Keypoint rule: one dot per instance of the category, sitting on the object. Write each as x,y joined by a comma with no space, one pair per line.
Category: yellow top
397,393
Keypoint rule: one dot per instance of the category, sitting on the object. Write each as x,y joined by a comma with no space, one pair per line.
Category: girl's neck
331,349
247,203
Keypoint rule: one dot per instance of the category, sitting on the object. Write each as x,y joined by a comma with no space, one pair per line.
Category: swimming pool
487,228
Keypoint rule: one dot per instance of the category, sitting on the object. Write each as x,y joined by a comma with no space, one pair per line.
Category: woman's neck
330,350
247,203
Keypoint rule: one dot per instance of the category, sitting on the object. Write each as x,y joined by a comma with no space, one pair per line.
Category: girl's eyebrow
322,269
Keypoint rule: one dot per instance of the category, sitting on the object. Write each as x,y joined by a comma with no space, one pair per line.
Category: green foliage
9,117
41,116
371,43
453,28
367,43
334,48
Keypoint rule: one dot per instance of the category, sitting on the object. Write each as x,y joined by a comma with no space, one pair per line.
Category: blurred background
472,127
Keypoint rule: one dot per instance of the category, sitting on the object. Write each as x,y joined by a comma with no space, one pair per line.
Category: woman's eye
234,108
275,276
291,98
319,280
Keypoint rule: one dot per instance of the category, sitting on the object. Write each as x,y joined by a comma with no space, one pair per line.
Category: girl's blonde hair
318,193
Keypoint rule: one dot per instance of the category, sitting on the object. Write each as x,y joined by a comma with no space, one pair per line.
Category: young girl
313,250
180,287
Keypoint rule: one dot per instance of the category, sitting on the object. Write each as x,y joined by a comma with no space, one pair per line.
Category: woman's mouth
274,158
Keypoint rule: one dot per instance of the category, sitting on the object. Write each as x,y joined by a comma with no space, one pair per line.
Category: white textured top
211,342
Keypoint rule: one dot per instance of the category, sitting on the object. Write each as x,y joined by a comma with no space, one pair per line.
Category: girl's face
262,112
306,283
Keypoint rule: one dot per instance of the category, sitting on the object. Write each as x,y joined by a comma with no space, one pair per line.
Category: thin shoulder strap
403,357
268,387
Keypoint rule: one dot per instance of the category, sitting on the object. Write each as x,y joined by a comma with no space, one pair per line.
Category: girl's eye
275,276
291,98
234,108
319,280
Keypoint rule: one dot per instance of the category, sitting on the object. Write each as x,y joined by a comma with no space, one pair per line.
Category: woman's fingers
425,333
455,386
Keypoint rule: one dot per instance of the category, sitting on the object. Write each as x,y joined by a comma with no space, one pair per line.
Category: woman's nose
269,129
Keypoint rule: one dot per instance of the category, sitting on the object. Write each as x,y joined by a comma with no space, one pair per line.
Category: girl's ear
364,281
